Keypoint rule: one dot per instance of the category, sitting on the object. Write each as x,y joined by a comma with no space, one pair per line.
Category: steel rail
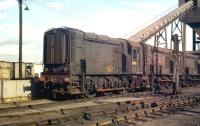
93,115
170,106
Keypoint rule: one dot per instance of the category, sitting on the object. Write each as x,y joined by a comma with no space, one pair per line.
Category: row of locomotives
159,67
191,71
86,64
141,81
79,63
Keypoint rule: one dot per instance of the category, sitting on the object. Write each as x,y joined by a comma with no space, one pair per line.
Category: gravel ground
188,117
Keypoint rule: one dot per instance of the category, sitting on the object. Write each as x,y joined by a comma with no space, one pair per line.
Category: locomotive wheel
90,90
57,96
124,91
90,95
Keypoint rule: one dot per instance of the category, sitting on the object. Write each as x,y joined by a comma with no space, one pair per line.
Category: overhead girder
160,24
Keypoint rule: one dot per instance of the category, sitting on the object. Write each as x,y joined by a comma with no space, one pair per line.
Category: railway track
85,111
111,114
42,103
127,115
36,107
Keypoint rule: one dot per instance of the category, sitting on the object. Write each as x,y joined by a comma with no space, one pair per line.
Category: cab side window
134,54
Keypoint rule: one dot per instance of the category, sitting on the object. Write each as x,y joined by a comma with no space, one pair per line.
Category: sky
114,18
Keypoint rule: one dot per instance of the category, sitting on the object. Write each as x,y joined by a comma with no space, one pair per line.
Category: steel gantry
158,29
160,24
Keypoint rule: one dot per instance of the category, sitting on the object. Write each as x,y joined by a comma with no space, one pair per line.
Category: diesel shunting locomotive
76,62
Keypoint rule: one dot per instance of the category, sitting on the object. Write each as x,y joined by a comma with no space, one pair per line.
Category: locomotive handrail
158,25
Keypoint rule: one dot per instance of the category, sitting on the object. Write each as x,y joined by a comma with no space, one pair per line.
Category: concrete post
183,52
176,63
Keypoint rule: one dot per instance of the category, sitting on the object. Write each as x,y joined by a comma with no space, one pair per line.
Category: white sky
114,18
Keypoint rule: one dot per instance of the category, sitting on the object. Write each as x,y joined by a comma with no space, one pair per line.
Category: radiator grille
72,47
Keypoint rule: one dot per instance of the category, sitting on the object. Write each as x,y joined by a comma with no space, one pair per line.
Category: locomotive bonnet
78,62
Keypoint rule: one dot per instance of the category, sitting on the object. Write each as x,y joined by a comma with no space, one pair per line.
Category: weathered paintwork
77,62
